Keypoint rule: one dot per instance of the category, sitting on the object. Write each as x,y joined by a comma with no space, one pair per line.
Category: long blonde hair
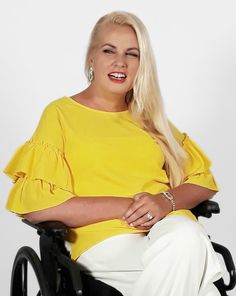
144,100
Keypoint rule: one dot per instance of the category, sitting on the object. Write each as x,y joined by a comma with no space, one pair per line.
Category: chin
119,90
118,93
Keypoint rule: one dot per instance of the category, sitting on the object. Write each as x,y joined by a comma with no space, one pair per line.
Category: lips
119,76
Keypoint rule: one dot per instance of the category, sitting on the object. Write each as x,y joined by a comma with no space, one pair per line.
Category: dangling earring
90,74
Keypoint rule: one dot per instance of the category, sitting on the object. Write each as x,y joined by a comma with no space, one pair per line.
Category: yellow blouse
79,151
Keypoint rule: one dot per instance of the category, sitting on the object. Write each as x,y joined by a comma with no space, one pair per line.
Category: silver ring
149,216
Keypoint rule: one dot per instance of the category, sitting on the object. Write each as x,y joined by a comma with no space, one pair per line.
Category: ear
91,61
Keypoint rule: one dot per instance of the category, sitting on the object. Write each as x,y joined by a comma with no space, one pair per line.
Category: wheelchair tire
19,279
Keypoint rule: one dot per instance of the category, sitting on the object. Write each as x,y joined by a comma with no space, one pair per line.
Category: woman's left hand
146,210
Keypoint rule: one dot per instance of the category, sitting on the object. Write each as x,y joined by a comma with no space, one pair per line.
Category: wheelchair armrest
49,228
206,209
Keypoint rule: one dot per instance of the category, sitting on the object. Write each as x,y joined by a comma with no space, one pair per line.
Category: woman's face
115,60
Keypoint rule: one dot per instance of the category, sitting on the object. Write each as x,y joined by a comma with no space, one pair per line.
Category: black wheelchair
58,275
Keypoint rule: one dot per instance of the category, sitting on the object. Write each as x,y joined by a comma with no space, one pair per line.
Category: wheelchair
58,275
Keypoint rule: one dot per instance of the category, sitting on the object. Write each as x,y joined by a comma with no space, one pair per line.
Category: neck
103,101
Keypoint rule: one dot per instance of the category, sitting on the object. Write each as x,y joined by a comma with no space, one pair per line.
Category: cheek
134,69
101,67
99,63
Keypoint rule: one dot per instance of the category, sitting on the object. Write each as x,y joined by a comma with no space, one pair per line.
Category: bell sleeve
198,166
39,170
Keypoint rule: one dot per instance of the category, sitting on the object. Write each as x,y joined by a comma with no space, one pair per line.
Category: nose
120,61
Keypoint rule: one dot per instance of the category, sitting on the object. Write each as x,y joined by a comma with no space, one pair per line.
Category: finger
138,202
147,224
139,195
135,216
138,217
138,222
133,208
150,223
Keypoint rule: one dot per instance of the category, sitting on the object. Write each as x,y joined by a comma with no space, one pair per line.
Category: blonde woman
109,164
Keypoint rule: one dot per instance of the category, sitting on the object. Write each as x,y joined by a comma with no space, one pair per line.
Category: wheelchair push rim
19,276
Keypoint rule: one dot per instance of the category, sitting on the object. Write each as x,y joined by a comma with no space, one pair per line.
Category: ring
149,216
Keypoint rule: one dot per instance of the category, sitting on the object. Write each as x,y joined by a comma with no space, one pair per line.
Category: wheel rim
27,275
24,276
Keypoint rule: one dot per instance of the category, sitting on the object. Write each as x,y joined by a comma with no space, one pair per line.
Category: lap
121,260
177,229
125,252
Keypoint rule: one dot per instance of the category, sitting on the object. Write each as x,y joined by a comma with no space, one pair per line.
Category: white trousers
176,258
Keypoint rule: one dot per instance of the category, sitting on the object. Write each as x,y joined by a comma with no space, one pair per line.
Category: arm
199,185
186,196
44,190
80,211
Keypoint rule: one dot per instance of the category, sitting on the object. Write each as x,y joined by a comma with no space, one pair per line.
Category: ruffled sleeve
198,166
197,169
39,170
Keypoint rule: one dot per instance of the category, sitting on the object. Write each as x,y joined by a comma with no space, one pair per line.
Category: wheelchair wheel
20,275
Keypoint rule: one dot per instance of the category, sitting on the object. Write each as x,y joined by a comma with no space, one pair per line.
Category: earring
90,74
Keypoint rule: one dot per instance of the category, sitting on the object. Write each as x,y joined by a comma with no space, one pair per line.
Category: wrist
164,204
170,198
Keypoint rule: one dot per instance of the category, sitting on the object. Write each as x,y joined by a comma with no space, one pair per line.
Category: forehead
118,35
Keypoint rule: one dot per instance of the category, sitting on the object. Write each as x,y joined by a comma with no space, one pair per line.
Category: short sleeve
39,170
198,166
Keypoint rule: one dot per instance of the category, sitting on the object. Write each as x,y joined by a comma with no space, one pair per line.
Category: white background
43,46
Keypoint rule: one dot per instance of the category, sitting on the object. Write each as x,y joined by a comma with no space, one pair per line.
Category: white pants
176,258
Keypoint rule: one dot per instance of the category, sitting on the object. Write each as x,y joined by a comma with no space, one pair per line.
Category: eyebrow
113,46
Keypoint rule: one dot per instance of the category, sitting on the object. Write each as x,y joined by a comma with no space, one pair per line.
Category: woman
109,164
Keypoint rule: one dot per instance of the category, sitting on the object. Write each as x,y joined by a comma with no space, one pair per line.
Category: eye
132,54
109,51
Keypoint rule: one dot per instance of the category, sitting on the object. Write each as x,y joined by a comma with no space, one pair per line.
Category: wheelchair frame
58,275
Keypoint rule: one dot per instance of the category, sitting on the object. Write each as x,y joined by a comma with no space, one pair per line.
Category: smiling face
115,60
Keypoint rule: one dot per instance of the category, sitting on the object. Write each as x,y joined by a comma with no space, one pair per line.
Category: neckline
94,110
